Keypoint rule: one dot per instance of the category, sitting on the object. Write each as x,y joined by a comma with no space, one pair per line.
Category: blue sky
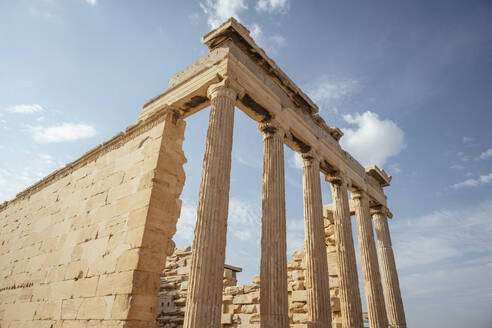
408,82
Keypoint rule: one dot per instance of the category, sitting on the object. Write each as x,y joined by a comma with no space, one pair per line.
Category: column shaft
394,303
350,302
204,300
369,261
273,271
317,279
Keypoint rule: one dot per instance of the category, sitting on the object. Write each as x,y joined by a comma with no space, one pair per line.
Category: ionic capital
271,128
380,209
311,159
337,179
225,88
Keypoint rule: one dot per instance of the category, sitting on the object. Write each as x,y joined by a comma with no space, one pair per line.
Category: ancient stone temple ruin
91,244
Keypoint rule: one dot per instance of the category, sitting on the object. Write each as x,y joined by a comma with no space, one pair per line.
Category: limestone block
20,311
61,290
299,295
48,311
92,308
226,318
115,283
70,308
247,298
94,248
102,265
121,306
85,287
143,308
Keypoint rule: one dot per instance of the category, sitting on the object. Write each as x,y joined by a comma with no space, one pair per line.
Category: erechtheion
87,245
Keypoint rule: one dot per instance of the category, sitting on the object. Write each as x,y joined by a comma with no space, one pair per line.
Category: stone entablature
265,92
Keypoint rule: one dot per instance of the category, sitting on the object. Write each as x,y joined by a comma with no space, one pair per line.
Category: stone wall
241,304
84,247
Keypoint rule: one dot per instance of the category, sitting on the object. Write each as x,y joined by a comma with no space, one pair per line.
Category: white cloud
457,167
486,154
295,235
246,161
374,141
18,176
244,221
46,158
25,109
486,178
218,11
272,5
329,92
91,2
194,17
443,234
483,179
395,168
295,161
444,261
62,132
467,139
270,43
186,224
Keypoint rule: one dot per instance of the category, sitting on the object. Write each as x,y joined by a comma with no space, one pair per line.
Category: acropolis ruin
91,244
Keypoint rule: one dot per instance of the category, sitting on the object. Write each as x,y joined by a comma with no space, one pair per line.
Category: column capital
338,179
225,88
380,209
271,128
310,158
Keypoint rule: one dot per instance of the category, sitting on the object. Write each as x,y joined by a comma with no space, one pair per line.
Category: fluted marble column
204,300
350,302
394,303
369,261
273,271
317,281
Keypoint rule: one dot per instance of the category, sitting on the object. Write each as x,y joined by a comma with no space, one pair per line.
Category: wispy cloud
272,5
295,235
34,169
270,43
218,11
295,161
445,259
467,139
486,154
457,167
374,141
463,157
186,224
246,161
61,133
330,92
91,2
25,109
483,179
244,221
436,236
